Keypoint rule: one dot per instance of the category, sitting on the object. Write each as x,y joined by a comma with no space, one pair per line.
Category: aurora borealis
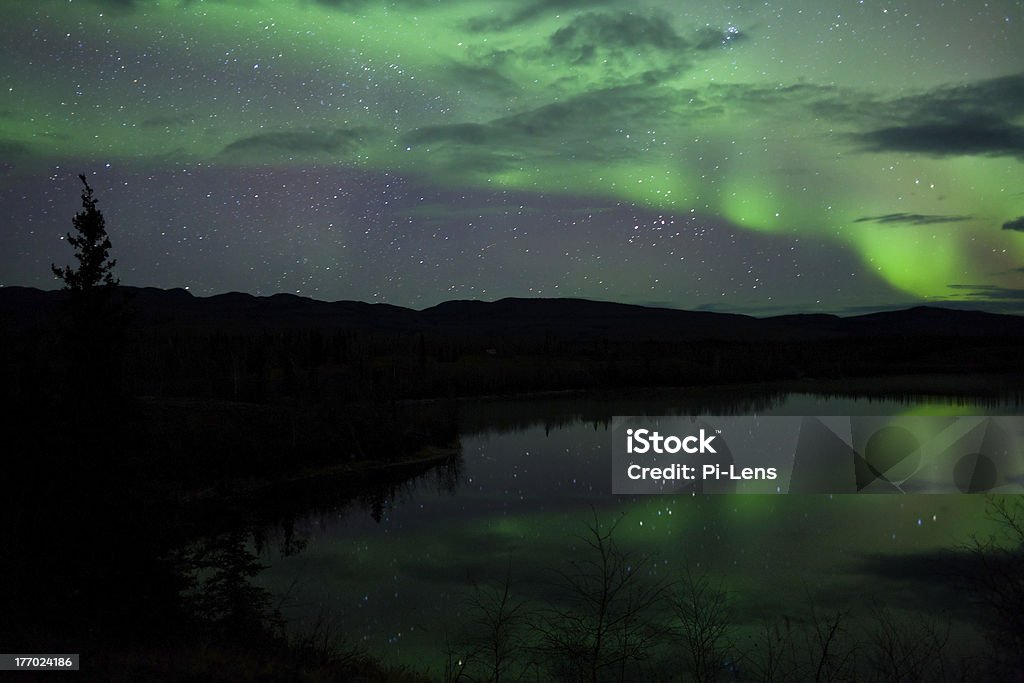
751,156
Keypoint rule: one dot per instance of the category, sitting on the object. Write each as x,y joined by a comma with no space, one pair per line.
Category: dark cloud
122,4
709,38
997,98
471,161
629,47
981,115
607,109
991,292
617,47
974,119
462,133
1015,224
911,219
479,78
590,34
531,11
587,126
337,143
611,37
980,118
976,136
785,102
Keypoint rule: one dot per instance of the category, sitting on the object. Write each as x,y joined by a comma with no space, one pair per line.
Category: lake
396,572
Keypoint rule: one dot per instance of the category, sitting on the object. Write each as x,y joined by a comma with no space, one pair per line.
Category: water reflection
393,564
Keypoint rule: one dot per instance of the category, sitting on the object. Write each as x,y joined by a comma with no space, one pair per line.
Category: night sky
758,157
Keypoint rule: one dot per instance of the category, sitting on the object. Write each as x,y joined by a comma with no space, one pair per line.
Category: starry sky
760,157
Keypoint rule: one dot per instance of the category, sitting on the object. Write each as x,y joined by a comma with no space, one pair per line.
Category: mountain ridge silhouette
515,316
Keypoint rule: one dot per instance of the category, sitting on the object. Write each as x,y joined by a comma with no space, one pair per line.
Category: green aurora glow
892,132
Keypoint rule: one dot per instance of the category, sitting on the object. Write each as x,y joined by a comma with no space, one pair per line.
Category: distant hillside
511,318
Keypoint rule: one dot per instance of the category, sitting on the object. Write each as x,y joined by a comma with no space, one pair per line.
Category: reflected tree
995,576
607,628
704,623
497,624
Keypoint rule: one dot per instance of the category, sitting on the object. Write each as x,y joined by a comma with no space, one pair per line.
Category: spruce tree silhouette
93,339
92,249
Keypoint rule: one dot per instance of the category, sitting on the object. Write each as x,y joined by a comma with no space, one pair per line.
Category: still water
395,577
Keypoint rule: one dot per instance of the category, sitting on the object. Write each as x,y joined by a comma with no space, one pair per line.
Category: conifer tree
93,338
92,249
